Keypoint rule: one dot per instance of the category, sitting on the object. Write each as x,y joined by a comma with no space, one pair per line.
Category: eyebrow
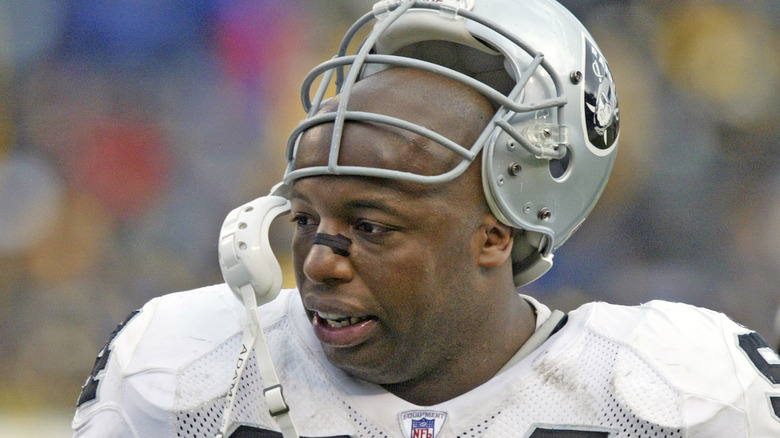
294,194
379,205
355,204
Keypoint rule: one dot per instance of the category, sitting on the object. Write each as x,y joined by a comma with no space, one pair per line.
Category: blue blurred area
134,30
128,129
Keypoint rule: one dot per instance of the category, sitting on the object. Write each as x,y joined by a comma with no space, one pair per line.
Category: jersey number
253,432
566,433
765,360
89,391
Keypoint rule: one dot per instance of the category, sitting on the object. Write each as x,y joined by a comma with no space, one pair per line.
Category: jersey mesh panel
205,376
479,429
364,427
310,378
575,389
299,377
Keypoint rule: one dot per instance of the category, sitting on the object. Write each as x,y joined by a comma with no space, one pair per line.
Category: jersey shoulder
174,329
677,326
145,371
724,374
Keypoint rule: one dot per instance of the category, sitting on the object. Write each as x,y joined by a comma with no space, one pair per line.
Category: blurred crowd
129,129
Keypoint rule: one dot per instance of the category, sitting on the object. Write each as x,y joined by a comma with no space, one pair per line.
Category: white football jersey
657,370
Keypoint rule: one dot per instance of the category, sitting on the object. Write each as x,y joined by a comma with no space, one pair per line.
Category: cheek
300,249
395,276
415,277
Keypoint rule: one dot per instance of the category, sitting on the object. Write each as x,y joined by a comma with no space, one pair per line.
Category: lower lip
348,336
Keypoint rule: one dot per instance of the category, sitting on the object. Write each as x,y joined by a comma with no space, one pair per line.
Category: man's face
402,305
396,305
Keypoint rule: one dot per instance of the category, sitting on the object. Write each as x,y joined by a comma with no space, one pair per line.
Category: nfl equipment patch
422,423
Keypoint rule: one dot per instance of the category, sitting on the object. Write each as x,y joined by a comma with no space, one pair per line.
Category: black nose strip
338,243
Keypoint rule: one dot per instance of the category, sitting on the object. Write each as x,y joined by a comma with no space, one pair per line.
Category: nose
323,265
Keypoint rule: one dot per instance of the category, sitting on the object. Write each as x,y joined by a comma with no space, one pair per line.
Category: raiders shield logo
602,119
422,424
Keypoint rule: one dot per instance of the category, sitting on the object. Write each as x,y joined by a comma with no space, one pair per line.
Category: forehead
338,191
425,99
376,146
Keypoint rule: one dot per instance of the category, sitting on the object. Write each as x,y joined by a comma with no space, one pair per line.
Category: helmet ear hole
560,166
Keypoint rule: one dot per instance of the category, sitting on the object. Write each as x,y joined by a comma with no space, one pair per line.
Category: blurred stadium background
128,129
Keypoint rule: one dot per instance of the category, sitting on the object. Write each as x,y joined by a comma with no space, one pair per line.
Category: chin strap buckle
274,398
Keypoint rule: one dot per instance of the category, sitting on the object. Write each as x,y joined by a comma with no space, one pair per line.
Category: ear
495,242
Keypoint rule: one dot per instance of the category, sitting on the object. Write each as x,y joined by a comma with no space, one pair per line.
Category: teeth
333,316
337,321
338,324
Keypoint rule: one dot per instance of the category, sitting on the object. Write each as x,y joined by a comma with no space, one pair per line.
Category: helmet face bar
548,149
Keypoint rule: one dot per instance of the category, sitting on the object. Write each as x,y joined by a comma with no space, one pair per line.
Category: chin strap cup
250,268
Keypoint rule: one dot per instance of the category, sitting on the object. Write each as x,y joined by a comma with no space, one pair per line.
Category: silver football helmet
549,148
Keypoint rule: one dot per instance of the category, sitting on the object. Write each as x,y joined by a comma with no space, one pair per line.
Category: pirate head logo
602,118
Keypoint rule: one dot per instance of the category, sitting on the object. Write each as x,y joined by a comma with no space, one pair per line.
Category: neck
513,323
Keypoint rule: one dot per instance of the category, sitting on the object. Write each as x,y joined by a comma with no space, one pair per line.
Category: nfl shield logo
421,423
423,428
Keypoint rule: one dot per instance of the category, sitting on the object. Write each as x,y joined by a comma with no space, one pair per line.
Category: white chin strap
251,270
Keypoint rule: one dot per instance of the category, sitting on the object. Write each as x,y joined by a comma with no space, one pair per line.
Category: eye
371,228
303,221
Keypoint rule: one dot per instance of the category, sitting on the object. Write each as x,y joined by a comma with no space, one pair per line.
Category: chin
374,370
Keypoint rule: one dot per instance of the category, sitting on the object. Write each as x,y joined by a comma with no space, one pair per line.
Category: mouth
334,320
337,330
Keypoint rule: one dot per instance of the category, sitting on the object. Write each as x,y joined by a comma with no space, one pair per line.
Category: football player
467,141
